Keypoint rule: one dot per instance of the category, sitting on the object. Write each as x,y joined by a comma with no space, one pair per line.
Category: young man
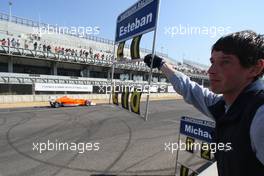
237,63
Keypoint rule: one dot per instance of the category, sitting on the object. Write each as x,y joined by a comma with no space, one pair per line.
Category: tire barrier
120,50
134,47
135,99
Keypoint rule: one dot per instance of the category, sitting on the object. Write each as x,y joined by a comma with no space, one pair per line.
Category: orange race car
67,101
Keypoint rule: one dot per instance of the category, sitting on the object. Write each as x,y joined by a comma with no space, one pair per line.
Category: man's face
226,74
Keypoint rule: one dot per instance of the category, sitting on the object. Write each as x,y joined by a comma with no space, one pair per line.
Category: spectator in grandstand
86,54
97,55
18,43
237,63
3,42
13,42
59,50
90,51
56,49
48,48
72,51
40,47
8,42
35,45
26,44
44,47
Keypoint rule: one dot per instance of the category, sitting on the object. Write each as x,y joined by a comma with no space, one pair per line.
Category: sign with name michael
196,128
140,18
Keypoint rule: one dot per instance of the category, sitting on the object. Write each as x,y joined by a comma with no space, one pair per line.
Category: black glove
157,61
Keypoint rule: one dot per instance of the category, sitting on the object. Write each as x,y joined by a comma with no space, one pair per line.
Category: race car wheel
87,103
56,105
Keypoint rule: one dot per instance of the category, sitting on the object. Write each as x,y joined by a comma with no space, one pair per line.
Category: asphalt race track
116,141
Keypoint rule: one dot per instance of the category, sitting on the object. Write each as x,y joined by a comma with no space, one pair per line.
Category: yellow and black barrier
120,50
115,99
189,144
135,47
184,171
206,152
124,100
135,99
135,102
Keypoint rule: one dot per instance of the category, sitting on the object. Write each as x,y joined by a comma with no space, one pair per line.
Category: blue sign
196,128
140,18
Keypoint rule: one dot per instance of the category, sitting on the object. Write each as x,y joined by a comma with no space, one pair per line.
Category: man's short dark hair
247,45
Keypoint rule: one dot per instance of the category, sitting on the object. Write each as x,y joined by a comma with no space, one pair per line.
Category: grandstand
28,57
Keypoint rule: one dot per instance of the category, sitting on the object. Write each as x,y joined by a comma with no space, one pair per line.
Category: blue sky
227,15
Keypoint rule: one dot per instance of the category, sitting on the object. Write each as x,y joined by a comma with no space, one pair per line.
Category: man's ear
258,68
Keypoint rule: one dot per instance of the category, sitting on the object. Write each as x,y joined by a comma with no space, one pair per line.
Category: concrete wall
43,98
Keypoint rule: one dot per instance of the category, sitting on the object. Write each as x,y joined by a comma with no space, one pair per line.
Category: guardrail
48,55
36,54
18,78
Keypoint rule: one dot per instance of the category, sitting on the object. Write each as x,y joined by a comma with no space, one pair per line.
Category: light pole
9,20
10,11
